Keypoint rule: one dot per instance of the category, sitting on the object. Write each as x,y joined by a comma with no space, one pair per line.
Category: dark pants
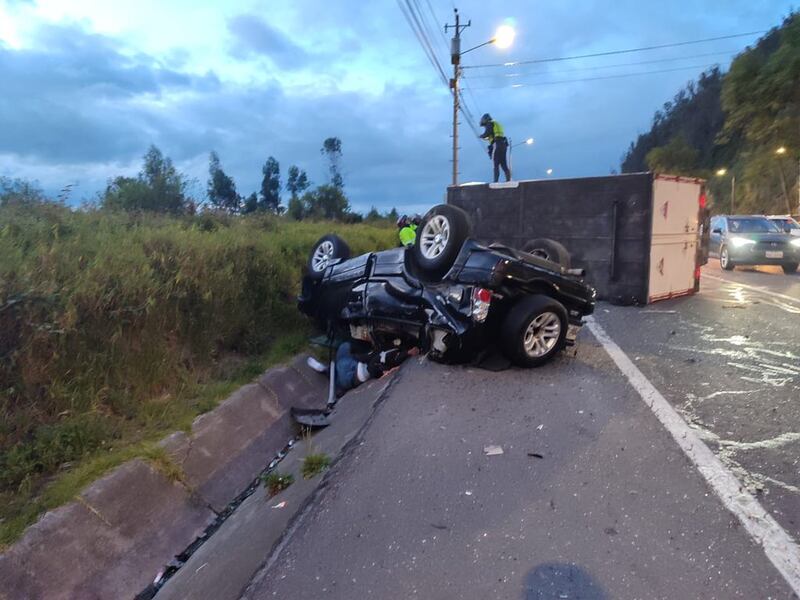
500,159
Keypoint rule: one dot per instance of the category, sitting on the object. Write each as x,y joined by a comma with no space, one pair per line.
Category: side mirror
716,230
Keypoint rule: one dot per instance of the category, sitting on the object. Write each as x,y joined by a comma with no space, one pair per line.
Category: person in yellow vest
407,231
498,145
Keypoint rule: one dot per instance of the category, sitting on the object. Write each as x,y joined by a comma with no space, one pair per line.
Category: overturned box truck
640,237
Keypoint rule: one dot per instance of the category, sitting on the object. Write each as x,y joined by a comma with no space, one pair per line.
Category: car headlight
738,242
795,243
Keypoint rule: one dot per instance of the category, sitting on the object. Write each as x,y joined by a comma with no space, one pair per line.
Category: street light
721,173
780,152
503,38
528,142
549,171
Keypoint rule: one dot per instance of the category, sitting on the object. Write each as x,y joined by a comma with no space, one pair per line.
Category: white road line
755,288
778,545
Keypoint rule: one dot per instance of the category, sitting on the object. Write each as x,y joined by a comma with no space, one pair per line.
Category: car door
716,235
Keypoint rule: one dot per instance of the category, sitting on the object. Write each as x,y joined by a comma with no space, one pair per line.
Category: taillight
702,200
481,299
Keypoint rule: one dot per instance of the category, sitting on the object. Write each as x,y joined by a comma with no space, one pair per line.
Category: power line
411,19
614,66
439,29
621,76
613,52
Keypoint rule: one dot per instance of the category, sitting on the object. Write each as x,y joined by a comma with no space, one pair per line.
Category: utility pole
455,59
733,193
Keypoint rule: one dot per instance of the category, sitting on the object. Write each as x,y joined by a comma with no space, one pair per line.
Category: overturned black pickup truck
450,295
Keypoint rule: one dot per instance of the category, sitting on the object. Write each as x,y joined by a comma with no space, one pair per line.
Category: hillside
743,123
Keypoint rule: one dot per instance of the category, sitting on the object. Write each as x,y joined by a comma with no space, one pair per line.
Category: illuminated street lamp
780,151
721,173
503,38
549,171
528,142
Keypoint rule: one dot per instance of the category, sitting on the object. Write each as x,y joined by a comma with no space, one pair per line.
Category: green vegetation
735,121
117,328
314,464
277,482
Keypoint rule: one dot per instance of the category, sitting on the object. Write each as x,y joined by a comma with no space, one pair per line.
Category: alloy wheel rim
542,334
723,257
434,237
322,256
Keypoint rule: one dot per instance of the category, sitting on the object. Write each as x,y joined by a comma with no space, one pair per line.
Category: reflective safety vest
497,130
408,235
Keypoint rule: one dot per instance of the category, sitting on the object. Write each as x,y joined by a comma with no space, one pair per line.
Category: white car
786,223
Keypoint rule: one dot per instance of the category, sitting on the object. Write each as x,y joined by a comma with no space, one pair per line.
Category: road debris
493,450
540,427
280,504
535,455
468,493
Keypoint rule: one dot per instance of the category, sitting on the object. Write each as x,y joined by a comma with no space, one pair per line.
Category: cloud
76,97
253,35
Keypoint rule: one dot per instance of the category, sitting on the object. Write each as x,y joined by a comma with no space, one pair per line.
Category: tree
332,149
250,204
676,158
19,192
297,182
392,215
158,187
296,209
373,215
221,188
271,186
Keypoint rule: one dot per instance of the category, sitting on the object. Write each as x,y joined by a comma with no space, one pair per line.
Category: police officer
407,231
498,145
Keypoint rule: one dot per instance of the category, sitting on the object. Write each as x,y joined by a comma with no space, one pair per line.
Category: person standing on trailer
498,145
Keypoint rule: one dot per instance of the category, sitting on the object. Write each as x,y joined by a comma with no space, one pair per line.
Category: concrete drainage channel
181,559
116,538
251,536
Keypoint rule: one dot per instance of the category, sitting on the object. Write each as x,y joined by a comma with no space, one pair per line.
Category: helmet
416,219
402,221
486,119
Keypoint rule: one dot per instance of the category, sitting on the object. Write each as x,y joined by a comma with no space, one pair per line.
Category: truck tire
725,259
534,331
440,235
549,250
790,268
326,249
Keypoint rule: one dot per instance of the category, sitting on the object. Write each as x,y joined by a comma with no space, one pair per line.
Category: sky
86,86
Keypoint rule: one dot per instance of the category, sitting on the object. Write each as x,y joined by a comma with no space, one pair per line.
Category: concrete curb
115,536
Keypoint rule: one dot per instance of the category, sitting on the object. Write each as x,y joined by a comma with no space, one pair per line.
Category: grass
117,329
276,482
314,464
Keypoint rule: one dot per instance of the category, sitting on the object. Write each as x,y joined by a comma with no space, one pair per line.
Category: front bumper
759,254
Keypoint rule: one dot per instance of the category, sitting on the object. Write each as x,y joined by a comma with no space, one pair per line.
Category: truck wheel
790,268
534,331
328,248
549,250
725,259
443,231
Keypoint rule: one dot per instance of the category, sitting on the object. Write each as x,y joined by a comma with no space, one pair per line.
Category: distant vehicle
786,223
752,240
450,295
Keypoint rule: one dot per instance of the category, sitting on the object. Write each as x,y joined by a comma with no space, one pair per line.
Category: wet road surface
591,497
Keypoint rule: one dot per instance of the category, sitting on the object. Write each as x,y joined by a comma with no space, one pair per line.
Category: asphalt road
591,498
